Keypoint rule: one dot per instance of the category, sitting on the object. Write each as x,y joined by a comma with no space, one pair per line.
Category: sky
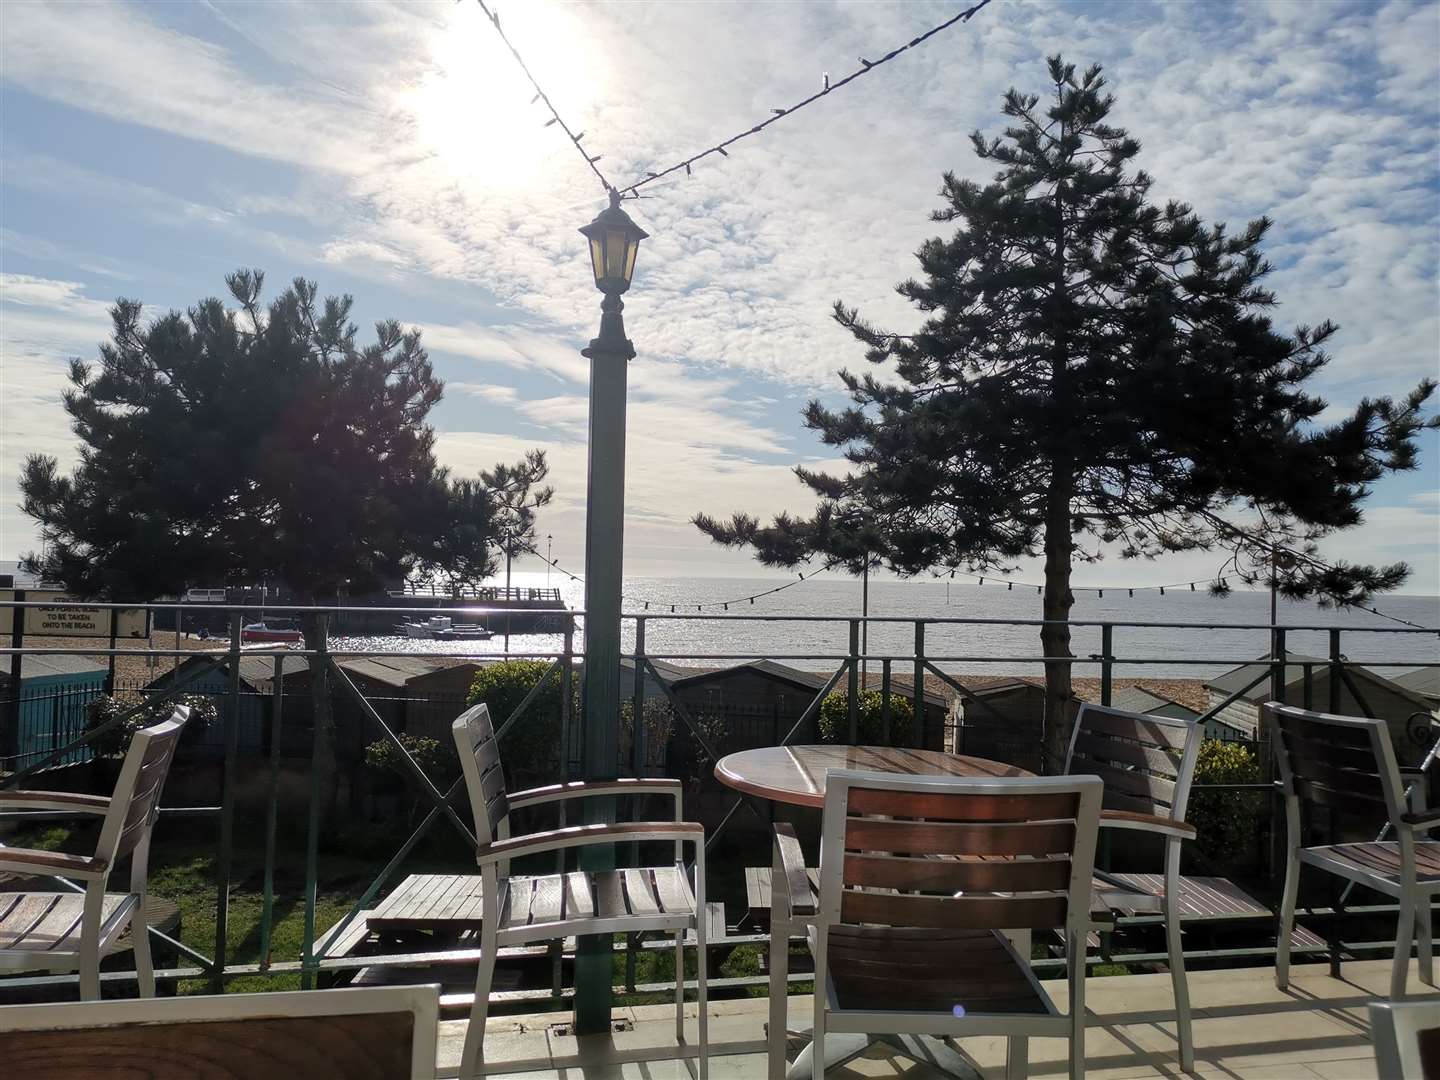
391,151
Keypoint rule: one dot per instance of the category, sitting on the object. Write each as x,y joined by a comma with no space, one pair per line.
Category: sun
473,107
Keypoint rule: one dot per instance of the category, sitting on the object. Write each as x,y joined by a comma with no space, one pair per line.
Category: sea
979,629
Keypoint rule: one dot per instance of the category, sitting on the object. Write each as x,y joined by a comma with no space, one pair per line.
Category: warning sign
73,621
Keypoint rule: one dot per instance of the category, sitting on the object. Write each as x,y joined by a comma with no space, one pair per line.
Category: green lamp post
614,241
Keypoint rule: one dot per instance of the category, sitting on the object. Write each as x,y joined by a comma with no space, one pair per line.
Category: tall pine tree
1093,370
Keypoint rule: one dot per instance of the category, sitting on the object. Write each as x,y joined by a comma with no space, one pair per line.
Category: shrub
1228,822
834,720
115,741
533,745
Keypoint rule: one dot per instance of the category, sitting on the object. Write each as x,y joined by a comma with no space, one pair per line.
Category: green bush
116,740
870,729
532,745
1228,823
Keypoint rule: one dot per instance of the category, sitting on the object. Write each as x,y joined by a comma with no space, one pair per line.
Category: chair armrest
788,879
54,800
580,835
582,789
49,863
1123,819
1421,820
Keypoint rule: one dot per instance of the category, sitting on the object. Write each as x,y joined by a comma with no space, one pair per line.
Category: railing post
567,694
10,738
917,691
320,698
885,703
272,809
1107,663
854,682
1335,661
1277,664
227,807
639,740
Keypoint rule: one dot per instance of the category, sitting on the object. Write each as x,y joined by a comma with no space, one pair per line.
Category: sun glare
472,108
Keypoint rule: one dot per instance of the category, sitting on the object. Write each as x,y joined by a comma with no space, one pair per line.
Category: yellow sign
72,621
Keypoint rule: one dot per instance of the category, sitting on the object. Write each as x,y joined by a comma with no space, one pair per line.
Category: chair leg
819,949
1017,1057
1404,936
1422,941
1177,960
90,975
679,986
140,942
472,1058
702,994
779,985
1286,923
1075,947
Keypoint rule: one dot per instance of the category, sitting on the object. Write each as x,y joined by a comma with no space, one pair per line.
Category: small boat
288,633
441,628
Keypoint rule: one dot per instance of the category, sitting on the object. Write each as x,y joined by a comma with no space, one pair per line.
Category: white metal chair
70,931
1147,764
921,878
1347,763
369,1033
519,909
1407,1039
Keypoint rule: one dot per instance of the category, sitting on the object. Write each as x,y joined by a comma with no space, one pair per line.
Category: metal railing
841,671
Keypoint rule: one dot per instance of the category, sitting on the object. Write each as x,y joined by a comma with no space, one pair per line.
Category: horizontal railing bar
268,606
936,620
166,811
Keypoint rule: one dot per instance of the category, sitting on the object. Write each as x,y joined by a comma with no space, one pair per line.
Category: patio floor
1245,1029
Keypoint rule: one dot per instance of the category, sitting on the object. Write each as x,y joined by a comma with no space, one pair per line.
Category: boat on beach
441,628
263,631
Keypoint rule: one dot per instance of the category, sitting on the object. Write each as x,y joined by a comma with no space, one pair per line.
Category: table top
796,774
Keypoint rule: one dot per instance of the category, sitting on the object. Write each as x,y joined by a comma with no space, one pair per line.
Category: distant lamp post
614,242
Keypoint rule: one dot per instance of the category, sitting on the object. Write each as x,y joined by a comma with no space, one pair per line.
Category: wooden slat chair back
371,1033
68,931
1340,763
1347,764
484,777
918,877
516,909
135,804
1008,858
1147,764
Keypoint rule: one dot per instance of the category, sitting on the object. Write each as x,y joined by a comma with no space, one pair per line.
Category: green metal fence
842,672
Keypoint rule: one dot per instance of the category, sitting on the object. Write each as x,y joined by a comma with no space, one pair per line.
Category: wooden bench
385,1033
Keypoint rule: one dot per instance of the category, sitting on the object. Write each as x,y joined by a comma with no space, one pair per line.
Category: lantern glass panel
597,257
615,253
630,259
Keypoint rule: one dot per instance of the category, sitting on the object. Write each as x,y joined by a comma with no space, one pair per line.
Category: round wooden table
796,774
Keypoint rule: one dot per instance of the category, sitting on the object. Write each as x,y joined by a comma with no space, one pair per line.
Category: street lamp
614,241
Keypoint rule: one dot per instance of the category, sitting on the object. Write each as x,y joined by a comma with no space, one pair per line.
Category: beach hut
54,692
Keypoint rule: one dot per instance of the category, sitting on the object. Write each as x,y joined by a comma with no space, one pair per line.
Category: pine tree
1093,370
257,445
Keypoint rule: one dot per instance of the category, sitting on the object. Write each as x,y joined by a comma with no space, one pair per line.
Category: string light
724,605
540,95
827,87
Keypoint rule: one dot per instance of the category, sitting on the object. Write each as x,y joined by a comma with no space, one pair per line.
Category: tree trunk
1059,539
1055,639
